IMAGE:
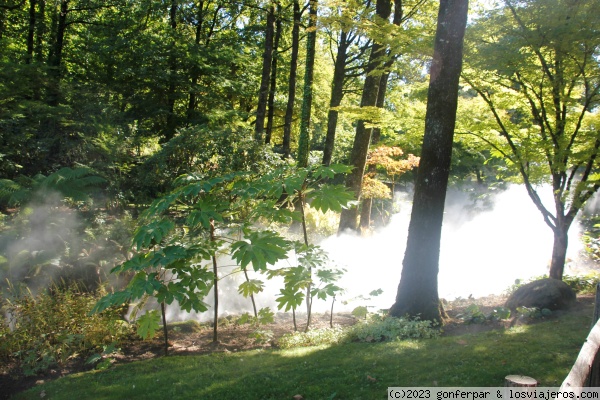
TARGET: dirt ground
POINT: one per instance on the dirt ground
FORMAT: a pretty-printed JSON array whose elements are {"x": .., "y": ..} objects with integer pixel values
[{"x": 190, "y": 339}]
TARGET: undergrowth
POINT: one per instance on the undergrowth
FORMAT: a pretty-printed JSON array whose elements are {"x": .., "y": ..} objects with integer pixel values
[
  {"x": 47, "y": 329},
  {"x": 582, "y": 284},
  {"x": 375, "y": 328}
]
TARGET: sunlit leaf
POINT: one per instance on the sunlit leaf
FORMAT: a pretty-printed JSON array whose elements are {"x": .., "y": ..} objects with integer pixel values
[{"x": 148, "y": 324}]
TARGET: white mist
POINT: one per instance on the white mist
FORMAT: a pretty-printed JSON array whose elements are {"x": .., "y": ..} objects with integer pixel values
[{"x": 482, "y": 253}]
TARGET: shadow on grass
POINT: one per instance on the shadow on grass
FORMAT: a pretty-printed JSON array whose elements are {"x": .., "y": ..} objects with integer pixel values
[{"x": 545, "y": 351}]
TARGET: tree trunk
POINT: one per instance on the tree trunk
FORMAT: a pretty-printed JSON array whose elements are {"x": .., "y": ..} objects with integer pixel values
[
  {"x": 215, "y": 286},
  {"x": 367, "y": 204},
  {"x": 311, "y": 41},
  {"x": 171, "y": 123},
  {"x": 362, "y": 139},
  {"x": 337, "y": 94},
  {"x": 273, "y": 83},
  {"x": 263, "y": 93},
  {"x": 418, "y": 289},
  {"x": 30, "y": 32},
  {"x": 195, "y": 74},
  {"x": 559, "y": 251},
  {"x": 40, "y": 31},
  {"x": 55, "y": 58},
  {"x": 289, "y": 111}
]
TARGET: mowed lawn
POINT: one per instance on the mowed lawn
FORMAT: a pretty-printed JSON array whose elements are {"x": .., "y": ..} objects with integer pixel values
[{"x": 544, "y": 350}]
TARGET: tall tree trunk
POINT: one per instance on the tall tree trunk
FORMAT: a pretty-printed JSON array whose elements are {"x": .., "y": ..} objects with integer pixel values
[
  {"x": 273, "y": 83},
  {"x": 367, "y": 204},
  {"x": 195, "y": 74},
  {"x": 2, "y": 22},
  {"x": 362, "y": 139},
  {"x": 40, "y": 31},
  {"x": 171, "y": 123},
  {"x": 289, "y": 111},
  {"x": 311, "y": 42},
  {"x": 55, "y": 57},
  {"x": 418, "y": 288},
  {"x": 337, "y": 94},
  {"x": 263, "y": 93},
  {"x": 30, "y": 32}
]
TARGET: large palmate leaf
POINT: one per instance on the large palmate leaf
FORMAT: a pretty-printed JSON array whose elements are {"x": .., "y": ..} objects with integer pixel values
[
  {"x": 290, "y": 298},
  {"x": 111, "y": 299},
  {"x": 152, "y": 233},
  {"x": 148, "y": 324},
  {"x": 205, "y": 210},
  {"x": 250, "y": 287},
  {"x": 323, "y": 171},
  {"x": 330, "y": 197},
  {"x": 260, "y": 249}
]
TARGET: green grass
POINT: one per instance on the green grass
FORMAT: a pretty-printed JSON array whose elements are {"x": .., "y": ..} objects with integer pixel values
[{"x": 545, "y": 351}]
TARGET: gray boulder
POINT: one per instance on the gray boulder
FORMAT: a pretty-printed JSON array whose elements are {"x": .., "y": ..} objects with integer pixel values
[{"x": 544, "y": 293}]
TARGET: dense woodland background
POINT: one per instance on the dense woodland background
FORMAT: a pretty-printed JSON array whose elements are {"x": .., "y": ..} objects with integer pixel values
[{"x": 187, "y": 127}]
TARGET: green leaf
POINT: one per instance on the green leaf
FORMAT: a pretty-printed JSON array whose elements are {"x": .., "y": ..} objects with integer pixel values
[
  {"x": 250, "y": 287},
  {"x": 137, "y": 263},
  {"x": 290, "y": 298},
  {"x": 266, "y": 316},
  {"x": 328, "y": 290},
  {"x": 330, "y": 171},
  {"x": 148, "y": 324},
  {"x": 152, "y": 234},
  {"x": 260, "y": 249},
  {"x": 111, "y": 299},
  {"x": 330, "y": 197},
  {"x": 204, "y": 211}
]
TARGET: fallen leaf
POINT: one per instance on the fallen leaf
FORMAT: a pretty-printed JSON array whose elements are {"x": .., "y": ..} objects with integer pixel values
[
  {"x": 462, "y": 342},
  {"x": 298, "y": 397},
  {"x": 371, "y": 379}
]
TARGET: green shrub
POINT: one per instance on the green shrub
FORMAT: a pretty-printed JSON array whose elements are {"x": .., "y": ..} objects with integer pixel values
[
  {"x": 378, "y": 328},
  {"x": 579, "y": 283},
  {"x": 583, "y": 283},
  {"x": 473, "y": 315},
  {"x": 49, "y": 328},
  {"x": 315, "y": 337}
]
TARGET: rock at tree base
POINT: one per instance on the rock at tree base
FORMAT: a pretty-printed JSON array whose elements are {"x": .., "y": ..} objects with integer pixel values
[{"x": 544, "y": 293}]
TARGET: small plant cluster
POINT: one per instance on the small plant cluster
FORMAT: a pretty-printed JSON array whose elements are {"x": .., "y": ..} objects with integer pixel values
[
  {"x": 591, "y": 236},
  {"x": 313, "y": 337},
  {"x": 51, "y": 327},
  {"x": 378, "y": 327},
  {"x": 534, "y": 312},
  {"x": 473, "y": 314},
  {"x": 584, "y": 284},
  {"x": 375, "y": 328}
]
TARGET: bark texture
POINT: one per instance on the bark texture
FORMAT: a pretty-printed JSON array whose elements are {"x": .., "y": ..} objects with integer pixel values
[
  {"x": 418, "y": 288},
  {"x": 362, "y": 139},
  {"x": 289, "y": 111},
  {"x": 263, "y": 93},
  {"x": 311, "y": 41}
]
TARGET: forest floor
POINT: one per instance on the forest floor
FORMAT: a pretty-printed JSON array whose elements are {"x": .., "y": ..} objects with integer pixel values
[{"x": 195, "y": 339}]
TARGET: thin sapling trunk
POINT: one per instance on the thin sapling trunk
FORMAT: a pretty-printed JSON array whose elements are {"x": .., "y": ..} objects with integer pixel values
[
  {"x": 165, "y": 330},
  {"x": 215, "y": 287}
]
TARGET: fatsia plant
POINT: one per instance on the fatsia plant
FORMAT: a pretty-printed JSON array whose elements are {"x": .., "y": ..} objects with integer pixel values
[{"x": 177, "y": 242}]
